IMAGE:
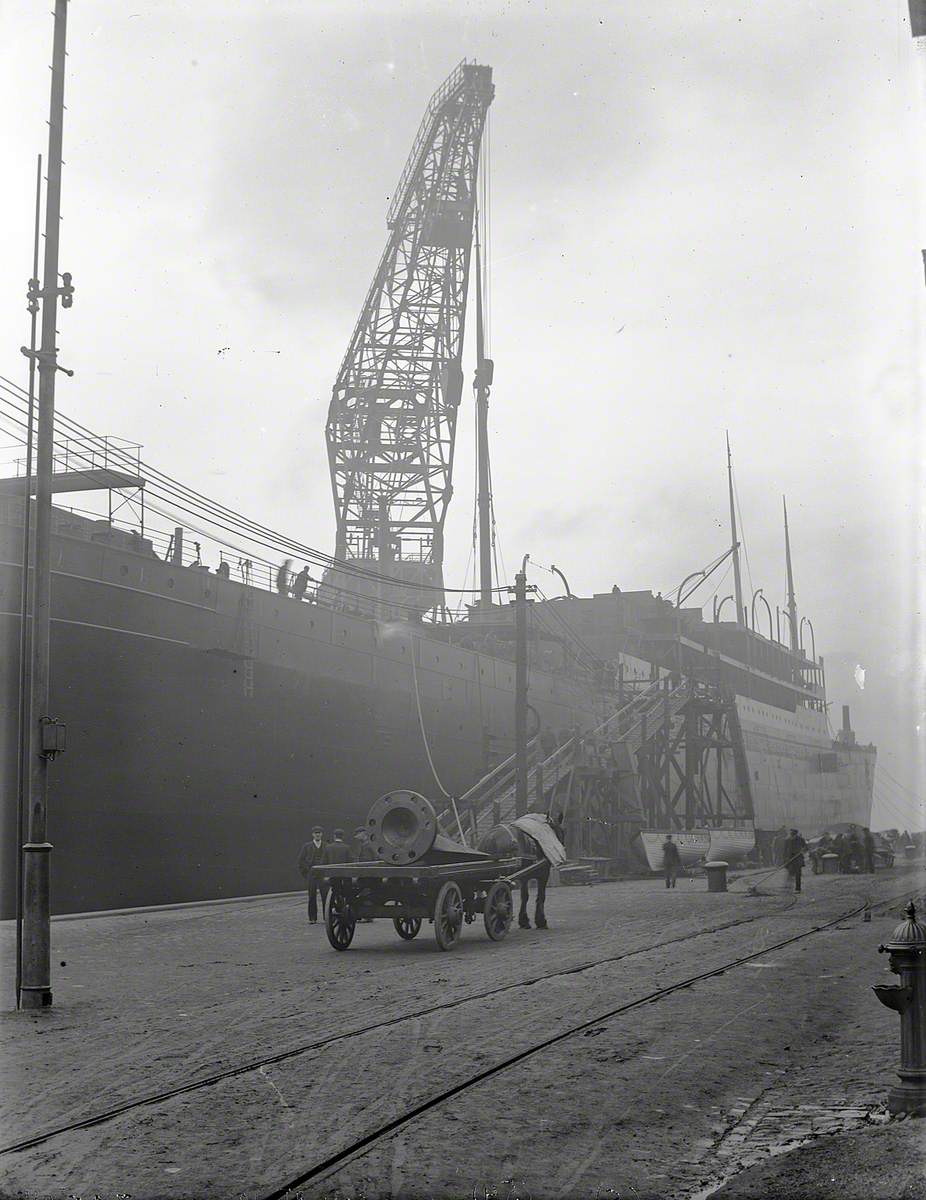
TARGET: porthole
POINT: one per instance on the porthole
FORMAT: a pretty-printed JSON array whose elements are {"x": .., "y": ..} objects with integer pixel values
[{"x": 170, "y": 583}]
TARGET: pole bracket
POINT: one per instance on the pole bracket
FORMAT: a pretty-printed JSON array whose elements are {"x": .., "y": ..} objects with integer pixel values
[{"x": 44, "y": 359}]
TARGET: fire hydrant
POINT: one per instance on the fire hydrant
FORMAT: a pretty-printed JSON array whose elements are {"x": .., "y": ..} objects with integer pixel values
[{"x": 907, "y": 950}]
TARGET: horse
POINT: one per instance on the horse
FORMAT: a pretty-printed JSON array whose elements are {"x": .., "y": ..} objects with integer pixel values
[{"x": 508, "y": 841}]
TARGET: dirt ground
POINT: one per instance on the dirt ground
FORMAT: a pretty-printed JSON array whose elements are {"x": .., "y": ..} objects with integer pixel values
[
  {"x": 663, "y": 1101},
  {"x": 889, "y": 1161}
]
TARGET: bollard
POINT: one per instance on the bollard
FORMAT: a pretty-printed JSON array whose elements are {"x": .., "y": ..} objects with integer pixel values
[
  {"x": 830, "y": 864},
  {"x": 716, "y": 876},
  {"x": 907, "y": 950}
]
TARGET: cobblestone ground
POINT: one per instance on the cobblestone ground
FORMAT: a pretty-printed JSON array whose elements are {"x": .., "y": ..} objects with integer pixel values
[{"x": 660, "y": 1101}]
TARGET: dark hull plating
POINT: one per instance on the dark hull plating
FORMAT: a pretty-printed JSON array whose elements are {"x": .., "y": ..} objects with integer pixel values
[{"x": 196, "y": 770}]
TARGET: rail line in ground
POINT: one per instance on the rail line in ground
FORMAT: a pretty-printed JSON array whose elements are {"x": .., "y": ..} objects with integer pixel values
[
  {"x": 155, "y": 1098},
  {"x": 358, "y": 1148},
  {"x": 194, "y": 1085}
]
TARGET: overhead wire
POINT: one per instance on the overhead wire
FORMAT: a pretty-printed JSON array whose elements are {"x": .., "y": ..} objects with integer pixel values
[
  {"x": 168, "y": 508},
  {"x": 197, "y": 504}
]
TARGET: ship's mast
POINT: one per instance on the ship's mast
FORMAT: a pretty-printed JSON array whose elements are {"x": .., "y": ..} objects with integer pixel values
[
  {"x": 792, "y": 604},
  {"x": 482, "y": 383},
  {"x": 737, "y": 580}
]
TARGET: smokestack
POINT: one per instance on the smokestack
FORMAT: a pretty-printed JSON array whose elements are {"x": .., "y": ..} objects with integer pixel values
[{"x": 846, "y": 723}]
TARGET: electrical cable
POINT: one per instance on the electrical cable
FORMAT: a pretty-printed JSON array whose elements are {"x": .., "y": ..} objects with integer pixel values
[
  {"x": 259, "y": 534},
  {"x": 424, "y": 735}
]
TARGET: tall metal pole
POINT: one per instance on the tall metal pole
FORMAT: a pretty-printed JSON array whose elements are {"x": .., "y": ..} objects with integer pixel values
[
  {"x": 734, "y": 541},
  {"x": 520, "y": 689},
  {"x": 35, "y": 987},
  {"x": 23, "y": 763},
  {"x": 484, "y": 502},
  {"x": 792, "y": 603}
]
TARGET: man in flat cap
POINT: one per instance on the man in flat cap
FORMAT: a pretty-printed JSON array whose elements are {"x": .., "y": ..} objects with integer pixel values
[{"x": 312, "y": 855}]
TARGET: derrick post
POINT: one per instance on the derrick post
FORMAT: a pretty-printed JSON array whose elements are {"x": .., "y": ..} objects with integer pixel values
[{"x": 520, "y": 690}]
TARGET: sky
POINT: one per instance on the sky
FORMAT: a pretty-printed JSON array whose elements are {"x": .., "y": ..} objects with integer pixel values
[{"x": 703, "y": 217}]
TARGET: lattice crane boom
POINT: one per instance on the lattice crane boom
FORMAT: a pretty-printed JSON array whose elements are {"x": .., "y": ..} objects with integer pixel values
[{"x": 392, "y": 418}]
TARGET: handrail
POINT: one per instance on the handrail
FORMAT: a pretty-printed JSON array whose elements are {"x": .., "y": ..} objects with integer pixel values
[{"x": 500, "y": 778}]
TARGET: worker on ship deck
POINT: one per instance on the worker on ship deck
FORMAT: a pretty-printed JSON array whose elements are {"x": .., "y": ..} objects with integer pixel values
[{"x": 300, "y": 584}]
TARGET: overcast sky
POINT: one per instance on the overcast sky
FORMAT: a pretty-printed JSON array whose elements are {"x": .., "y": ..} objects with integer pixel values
[{"x": 704, "y": 216}]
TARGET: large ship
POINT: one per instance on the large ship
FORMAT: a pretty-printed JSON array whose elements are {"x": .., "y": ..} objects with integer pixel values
[{"x": 214, "y": 715}]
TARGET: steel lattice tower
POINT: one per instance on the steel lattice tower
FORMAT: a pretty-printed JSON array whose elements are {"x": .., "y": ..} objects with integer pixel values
[{"x": 392, "y": 418}]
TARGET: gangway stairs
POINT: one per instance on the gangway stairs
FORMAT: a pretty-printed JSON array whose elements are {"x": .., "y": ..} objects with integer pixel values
[{"x": 493, "y": 798}]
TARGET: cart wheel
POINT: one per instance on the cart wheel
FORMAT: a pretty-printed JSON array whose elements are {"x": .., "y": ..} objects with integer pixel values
[
  {"x": 407, "y": 927},
  {"x": 340, "y": 922},
  {"x": 499, "y": 909},
  {"x": 448, "y": 916}
]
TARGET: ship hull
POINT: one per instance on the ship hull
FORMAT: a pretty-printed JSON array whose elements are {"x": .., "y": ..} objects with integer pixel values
[
  {"x": 800, "y": 777},
  {"x": 211, "y": 725}
]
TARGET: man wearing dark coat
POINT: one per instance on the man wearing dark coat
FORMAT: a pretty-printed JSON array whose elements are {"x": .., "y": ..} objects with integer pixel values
[
  {"x": 337, "y": 851},
  {"x": 671, "y": 860},
  {"x": 868, "y": 845},
  {"x": 312, "y": 855},
  {"x": 794, "y": 857}
]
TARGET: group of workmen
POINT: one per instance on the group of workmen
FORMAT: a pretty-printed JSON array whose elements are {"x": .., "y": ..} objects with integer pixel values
[
  {"x": 319, "y": 852},
  {"x": 855, "y": 852}
]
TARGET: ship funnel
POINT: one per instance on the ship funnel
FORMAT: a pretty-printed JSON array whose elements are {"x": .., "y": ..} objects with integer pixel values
[{"x": 402, "y": 828}]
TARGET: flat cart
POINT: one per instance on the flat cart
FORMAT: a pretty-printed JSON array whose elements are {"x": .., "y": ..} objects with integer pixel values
[{"x": 448, "y": 894}]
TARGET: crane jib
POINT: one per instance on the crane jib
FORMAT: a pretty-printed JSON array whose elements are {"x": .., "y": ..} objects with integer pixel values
[{"x": 392, "y": 417}]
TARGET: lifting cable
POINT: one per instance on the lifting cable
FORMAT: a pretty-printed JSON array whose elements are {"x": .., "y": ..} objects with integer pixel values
[{"x": 427, "y": 748}]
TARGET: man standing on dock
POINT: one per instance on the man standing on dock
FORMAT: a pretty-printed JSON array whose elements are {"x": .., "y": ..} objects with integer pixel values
[
  {"x": 868, "y": 845},
  {"x": 312, "y": 855},
  {"x": 671, "y": 860},
  {"x": 337, "y": 851},
  {"x": 794, "y": 857}
]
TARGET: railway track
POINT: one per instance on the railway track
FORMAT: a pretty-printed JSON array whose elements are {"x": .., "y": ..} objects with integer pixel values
[
  {"x": 358, "y": 1147},
  {"x": 217, "y": 1077}
]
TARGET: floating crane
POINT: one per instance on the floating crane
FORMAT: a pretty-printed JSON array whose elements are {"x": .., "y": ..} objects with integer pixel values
[{"x": 392, "y": 418}]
